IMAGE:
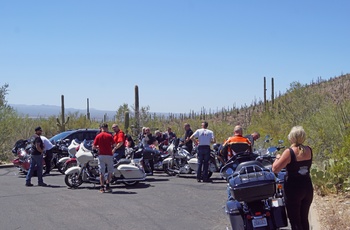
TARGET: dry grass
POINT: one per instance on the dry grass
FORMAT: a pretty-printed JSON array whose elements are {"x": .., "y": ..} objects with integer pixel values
[{"x": 333, "y": 211}]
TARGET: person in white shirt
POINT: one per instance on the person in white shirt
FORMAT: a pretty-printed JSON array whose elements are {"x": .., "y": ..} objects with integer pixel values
[
  {"x": 205, "y": 138},
  {"x": 48, "y": 154}
]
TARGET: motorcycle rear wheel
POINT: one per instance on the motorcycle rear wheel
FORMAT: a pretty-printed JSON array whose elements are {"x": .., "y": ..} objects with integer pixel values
[
  {"x": 167, "y": 171},
  {"x": 73, "y": 180}
]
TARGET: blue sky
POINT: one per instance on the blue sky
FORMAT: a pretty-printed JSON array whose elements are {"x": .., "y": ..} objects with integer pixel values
[{"x": 183, "y": 54}]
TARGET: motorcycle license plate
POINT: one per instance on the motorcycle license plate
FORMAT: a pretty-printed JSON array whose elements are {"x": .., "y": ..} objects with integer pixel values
[{"x": 259, "y": 222}]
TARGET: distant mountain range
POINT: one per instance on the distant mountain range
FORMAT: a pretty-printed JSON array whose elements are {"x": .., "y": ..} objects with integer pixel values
[{"x": 45, "y": 111}]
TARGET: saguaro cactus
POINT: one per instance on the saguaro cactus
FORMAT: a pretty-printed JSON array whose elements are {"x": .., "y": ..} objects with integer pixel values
[
  {"x": 137, "y": 109},
  {"x": 62, "y": 124},
  {"x": 265, "y": 94},
  {"x": 272, "y": 92},
  {"x": 126, "y": 121},
  {"x": 87, "y": 109}
]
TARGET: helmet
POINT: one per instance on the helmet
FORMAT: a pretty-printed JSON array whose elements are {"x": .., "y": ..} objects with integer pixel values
[{"x": 216, "y": 146}]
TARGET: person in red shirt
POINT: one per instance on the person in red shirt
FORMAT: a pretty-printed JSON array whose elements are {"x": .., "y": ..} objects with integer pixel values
[
  {"x": 119, "y": 139},
  {"x": 104, "y": 143}
]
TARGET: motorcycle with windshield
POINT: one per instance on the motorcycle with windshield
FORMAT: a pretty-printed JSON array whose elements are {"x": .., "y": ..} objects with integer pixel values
[{"x": 87, "y": 170}]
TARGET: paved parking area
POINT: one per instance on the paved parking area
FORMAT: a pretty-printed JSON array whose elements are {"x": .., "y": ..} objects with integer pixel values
[{"x": 161, "y": 202}]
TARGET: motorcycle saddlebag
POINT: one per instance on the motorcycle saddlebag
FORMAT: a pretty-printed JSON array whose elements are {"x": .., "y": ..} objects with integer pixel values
[
  {"x": 233, "y": 210},
  {"x": 278, "y": 213}
]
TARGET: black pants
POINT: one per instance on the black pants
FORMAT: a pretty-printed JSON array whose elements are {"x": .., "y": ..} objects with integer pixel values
[
  {"x": 298, "y": 201},
  {"x": 48, "y": 159}
]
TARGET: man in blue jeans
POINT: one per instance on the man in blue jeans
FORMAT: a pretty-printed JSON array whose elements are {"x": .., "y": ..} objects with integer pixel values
[
  {"x": 205, "y": 137},
  {"x": 37, "y": 150}
]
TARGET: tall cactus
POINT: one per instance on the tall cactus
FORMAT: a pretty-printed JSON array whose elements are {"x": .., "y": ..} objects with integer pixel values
[
  {"x": 126, "y": 121},
  {"x": 272, "y": 92},
  {"x": 87, "y": 109},
  {"x": 62, "y": 124},
  {"x": 137, "y": 109},
  {"x": 265, "y": 94}
]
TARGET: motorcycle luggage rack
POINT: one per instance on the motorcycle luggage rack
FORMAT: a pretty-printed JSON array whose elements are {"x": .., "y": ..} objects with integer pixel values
[{"x": 252, "y": 182}]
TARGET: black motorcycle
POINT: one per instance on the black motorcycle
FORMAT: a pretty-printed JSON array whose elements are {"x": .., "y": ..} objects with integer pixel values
[{"x": 255, "y": 195}]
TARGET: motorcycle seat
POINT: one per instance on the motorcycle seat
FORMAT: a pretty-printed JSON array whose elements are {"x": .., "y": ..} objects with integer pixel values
[{"x": 122, "y": 161}]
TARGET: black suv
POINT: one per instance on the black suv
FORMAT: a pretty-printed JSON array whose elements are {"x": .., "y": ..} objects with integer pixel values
[
  {"x": 78, "y": 134},
  {"x": 62, "y": 140}
]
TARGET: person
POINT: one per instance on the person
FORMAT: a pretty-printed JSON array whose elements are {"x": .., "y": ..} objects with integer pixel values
[
  {"x": 298, "y": 189},
  {"x": 170, "y": 135},
  {"x": 160, "y": 137},
  {"x": 205, "y": 138},
  {"x": 187, "y": 140},
  {"x": 48, "y": 146},
  {"x": 104, "y": 142},
  {"x": 252, "y": 138},
  {"x": 129, "y": 142},
  {"x": 148, "y": 139},
  {"x": 142, "y": 134},
  {"x": 36, "y": 150},
  {"x": 148, "y": 142},
  {"x": 119, "y": 138},
  {"x": 234, "y": 144}
]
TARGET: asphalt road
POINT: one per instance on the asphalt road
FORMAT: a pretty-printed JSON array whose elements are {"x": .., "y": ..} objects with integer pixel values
[{"x": 160, "y": 203}]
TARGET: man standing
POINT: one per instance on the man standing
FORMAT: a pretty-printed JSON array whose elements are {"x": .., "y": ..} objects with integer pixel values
[
  {"x": 188, "y": 134},
  {"x": 252, "y": 138},
  {"x": 104, "y": 143},
  {"x": 170, "y": 135},
  {"x": 48, "y": 154},
  {"x": 36, "y": 150},
  {"x": 119, "y": 139},
  {"x": 205, "y": 137}
]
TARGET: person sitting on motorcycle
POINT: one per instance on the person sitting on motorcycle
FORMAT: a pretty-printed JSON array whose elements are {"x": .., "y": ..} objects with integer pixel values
[
  {"x": 235, "y": 144},
  {"x": 161, "y": 138},
  {"x": 170, "y": 135},
  {"x": 148, "y": 142}
]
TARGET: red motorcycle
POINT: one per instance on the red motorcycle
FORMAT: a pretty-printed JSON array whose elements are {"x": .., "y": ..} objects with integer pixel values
[{"x": 22, "y": 157}]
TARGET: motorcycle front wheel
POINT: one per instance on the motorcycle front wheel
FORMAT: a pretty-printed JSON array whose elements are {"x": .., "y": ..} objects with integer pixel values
[
  {"x": 73, "y": 180},
  {"x": 130, "y": 183}
]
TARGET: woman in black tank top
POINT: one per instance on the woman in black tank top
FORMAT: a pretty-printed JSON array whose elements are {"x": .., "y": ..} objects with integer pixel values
[{"x": 297, "y": 184}]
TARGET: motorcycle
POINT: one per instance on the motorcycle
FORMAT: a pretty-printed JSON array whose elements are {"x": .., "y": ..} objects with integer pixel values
[
  {"x": 66, "y": 162},
  {"x": 214, "y": 162},
  {"x": 256, "y": 198},
  {"x": 87, "y": 170},
  {"x": 22, "y": 157}
]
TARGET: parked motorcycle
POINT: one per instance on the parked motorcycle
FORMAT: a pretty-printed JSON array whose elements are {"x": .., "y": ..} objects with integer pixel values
[
  {"x": 66, "y": 162},
  {"x": 214, "y": 162},
  {"x": 87, "y": 170},
  {"x": 22, "y": 157},
  {"x": 256, "y": 199}
]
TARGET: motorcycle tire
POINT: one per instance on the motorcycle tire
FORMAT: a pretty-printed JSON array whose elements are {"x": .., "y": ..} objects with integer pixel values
[
  {"x": 130, "y": 183},
  {"x": 167, "y": 171},
  {"x": 61, "y": 167},
  {"x": 73, "y": 180},
  {"x": 69, "y": 165}
]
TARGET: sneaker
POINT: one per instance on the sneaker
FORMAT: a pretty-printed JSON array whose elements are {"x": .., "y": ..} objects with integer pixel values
[
  {"x": 109, "y": 190},
  {"x": 29, "y": 184},
  {"x": 42, "y": 184},
  {"x": 102, "y": 190}
]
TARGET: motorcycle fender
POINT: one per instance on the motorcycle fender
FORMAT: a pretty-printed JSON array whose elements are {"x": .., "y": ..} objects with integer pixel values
[
  {"x": 166, "y": 161},
  {"x": 63, "y": 159},
  {"x": 129, "y": 171},
  {"x": 72, "y": 170}
]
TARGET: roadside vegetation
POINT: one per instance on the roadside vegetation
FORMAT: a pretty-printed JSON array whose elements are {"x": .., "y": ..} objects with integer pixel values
[{"x": 321, "y": 107}]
